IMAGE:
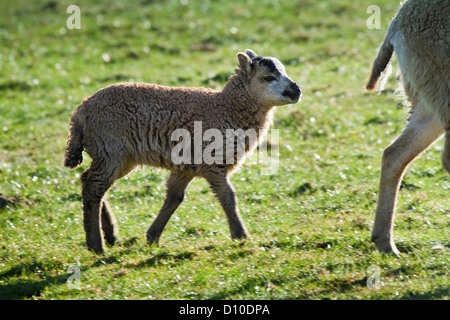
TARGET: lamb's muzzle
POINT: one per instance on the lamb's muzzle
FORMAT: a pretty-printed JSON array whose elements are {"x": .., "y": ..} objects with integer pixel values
[{"x": 294, "y": 93}]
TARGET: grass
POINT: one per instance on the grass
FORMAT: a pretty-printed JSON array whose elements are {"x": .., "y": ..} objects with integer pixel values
[{"x": 310, "y": 222}]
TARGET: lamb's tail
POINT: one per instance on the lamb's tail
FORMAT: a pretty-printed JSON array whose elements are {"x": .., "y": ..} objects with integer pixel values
[
  {"x": 73, "y": 155},
  {"x": 381, "y": 62}
]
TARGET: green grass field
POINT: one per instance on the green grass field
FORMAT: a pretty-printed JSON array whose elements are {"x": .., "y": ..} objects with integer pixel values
[{"x": 310, "y": 222}]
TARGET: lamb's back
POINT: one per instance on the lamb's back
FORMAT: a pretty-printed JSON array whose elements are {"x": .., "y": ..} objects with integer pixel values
[{"x": 136, "y": 119}]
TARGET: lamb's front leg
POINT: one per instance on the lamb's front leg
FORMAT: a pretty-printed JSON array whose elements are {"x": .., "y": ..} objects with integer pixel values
[
  {"x": 176, "y": 188},
  {"x": 421, "y": 130},
  {"x": 222, "y": 188}
]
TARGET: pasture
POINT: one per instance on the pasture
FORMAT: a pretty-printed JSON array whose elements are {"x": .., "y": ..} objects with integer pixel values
[{"x": 310, "y": 221}]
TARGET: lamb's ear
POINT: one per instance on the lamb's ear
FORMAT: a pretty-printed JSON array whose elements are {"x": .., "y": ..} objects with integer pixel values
[
  {"x": 251, "y": 54},
  {"x": 245, "y": 63}
]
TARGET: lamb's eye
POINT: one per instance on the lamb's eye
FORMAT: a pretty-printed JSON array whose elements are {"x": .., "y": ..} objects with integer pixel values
[{"x": 269, "y": 79}]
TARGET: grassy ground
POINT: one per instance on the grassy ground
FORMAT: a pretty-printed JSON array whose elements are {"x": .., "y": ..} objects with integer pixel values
[{"x": 310, "y": 222}]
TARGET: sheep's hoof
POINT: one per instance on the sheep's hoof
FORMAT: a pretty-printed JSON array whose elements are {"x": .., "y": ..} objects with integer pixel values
[
  {"x": 389, "y": 251},
  {"x": 387, "y": 247}
]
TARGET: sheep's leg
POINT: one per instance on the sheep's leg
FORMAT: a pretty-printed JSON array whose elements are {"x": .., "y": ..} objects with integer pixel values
[
  {"x": 446, "y": 152},
  {"x": 222, "y": 188},
  {"x": 421, "y": 130},
  {"x": 109, "y": 224},
  {"x": 95, "y": 184},
  {"x": 176, "y": 188}
]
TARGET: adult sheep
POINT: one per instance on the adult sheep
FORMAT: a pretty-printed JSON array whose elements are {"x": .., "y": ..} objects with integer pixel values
[
  {"x": 420, "y": 37},
  {"x": 129, "y": 124}
]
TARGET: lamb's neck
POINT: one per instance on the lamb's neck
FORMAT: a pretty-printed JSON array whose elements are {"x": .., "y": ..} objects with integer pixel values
[{"x": 246, "y": 113}]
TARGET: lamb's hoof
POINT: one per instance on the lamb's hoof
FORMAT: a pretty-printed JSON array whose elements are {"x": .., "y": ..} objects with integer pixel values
[
  {"x": 240, "y": 235},
  {"x": 96, "y": 247},
  {"x": 152, "y": 240},
  {"x": 110, "y": 237},
  {"x": 109, "y": 225},
  {"x": 110, "y": 241}
]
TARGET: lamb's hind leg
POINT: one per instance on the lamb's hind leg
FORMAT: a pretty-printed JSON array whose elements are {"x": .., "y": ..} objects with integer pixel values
[
  {"x": 421, "y": 130},
  {"x": 176, "y": 188},
  {"x": 95, "y": 186},
  {"x": 222, "y": 188},
  {"x": 97, "y": 214},
  {"x": 109, "y": 224}
]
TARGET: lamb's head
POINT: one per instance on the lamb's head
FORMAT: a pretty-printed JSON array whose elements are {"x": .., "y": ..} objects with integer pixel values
[{"x": 268, "y": 83}]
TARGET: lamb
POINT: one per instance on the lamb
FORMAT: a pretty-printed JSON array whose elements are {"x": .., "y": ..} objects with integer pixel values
[
  {"x": 420, "y": 37},
  {"x": 129, "y": 124}
]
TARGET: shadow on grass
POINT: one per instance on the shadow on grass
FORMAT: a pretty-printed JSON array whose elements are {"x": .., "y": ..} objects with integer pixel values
[
  {"x": 433, "y": 295},
  {"x": 26, "y": 289},
  {"x": 20, "y": 281},
  {"x": 16, "y": 288},
  {"x": 163, "y": 258}
]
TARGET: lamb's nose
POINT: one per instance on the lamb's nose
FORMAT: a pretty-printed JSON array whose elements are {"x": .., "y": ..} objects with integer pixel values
[
  {"x": 293, "y": 92},
  {"x": 296, "y": 88}
]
